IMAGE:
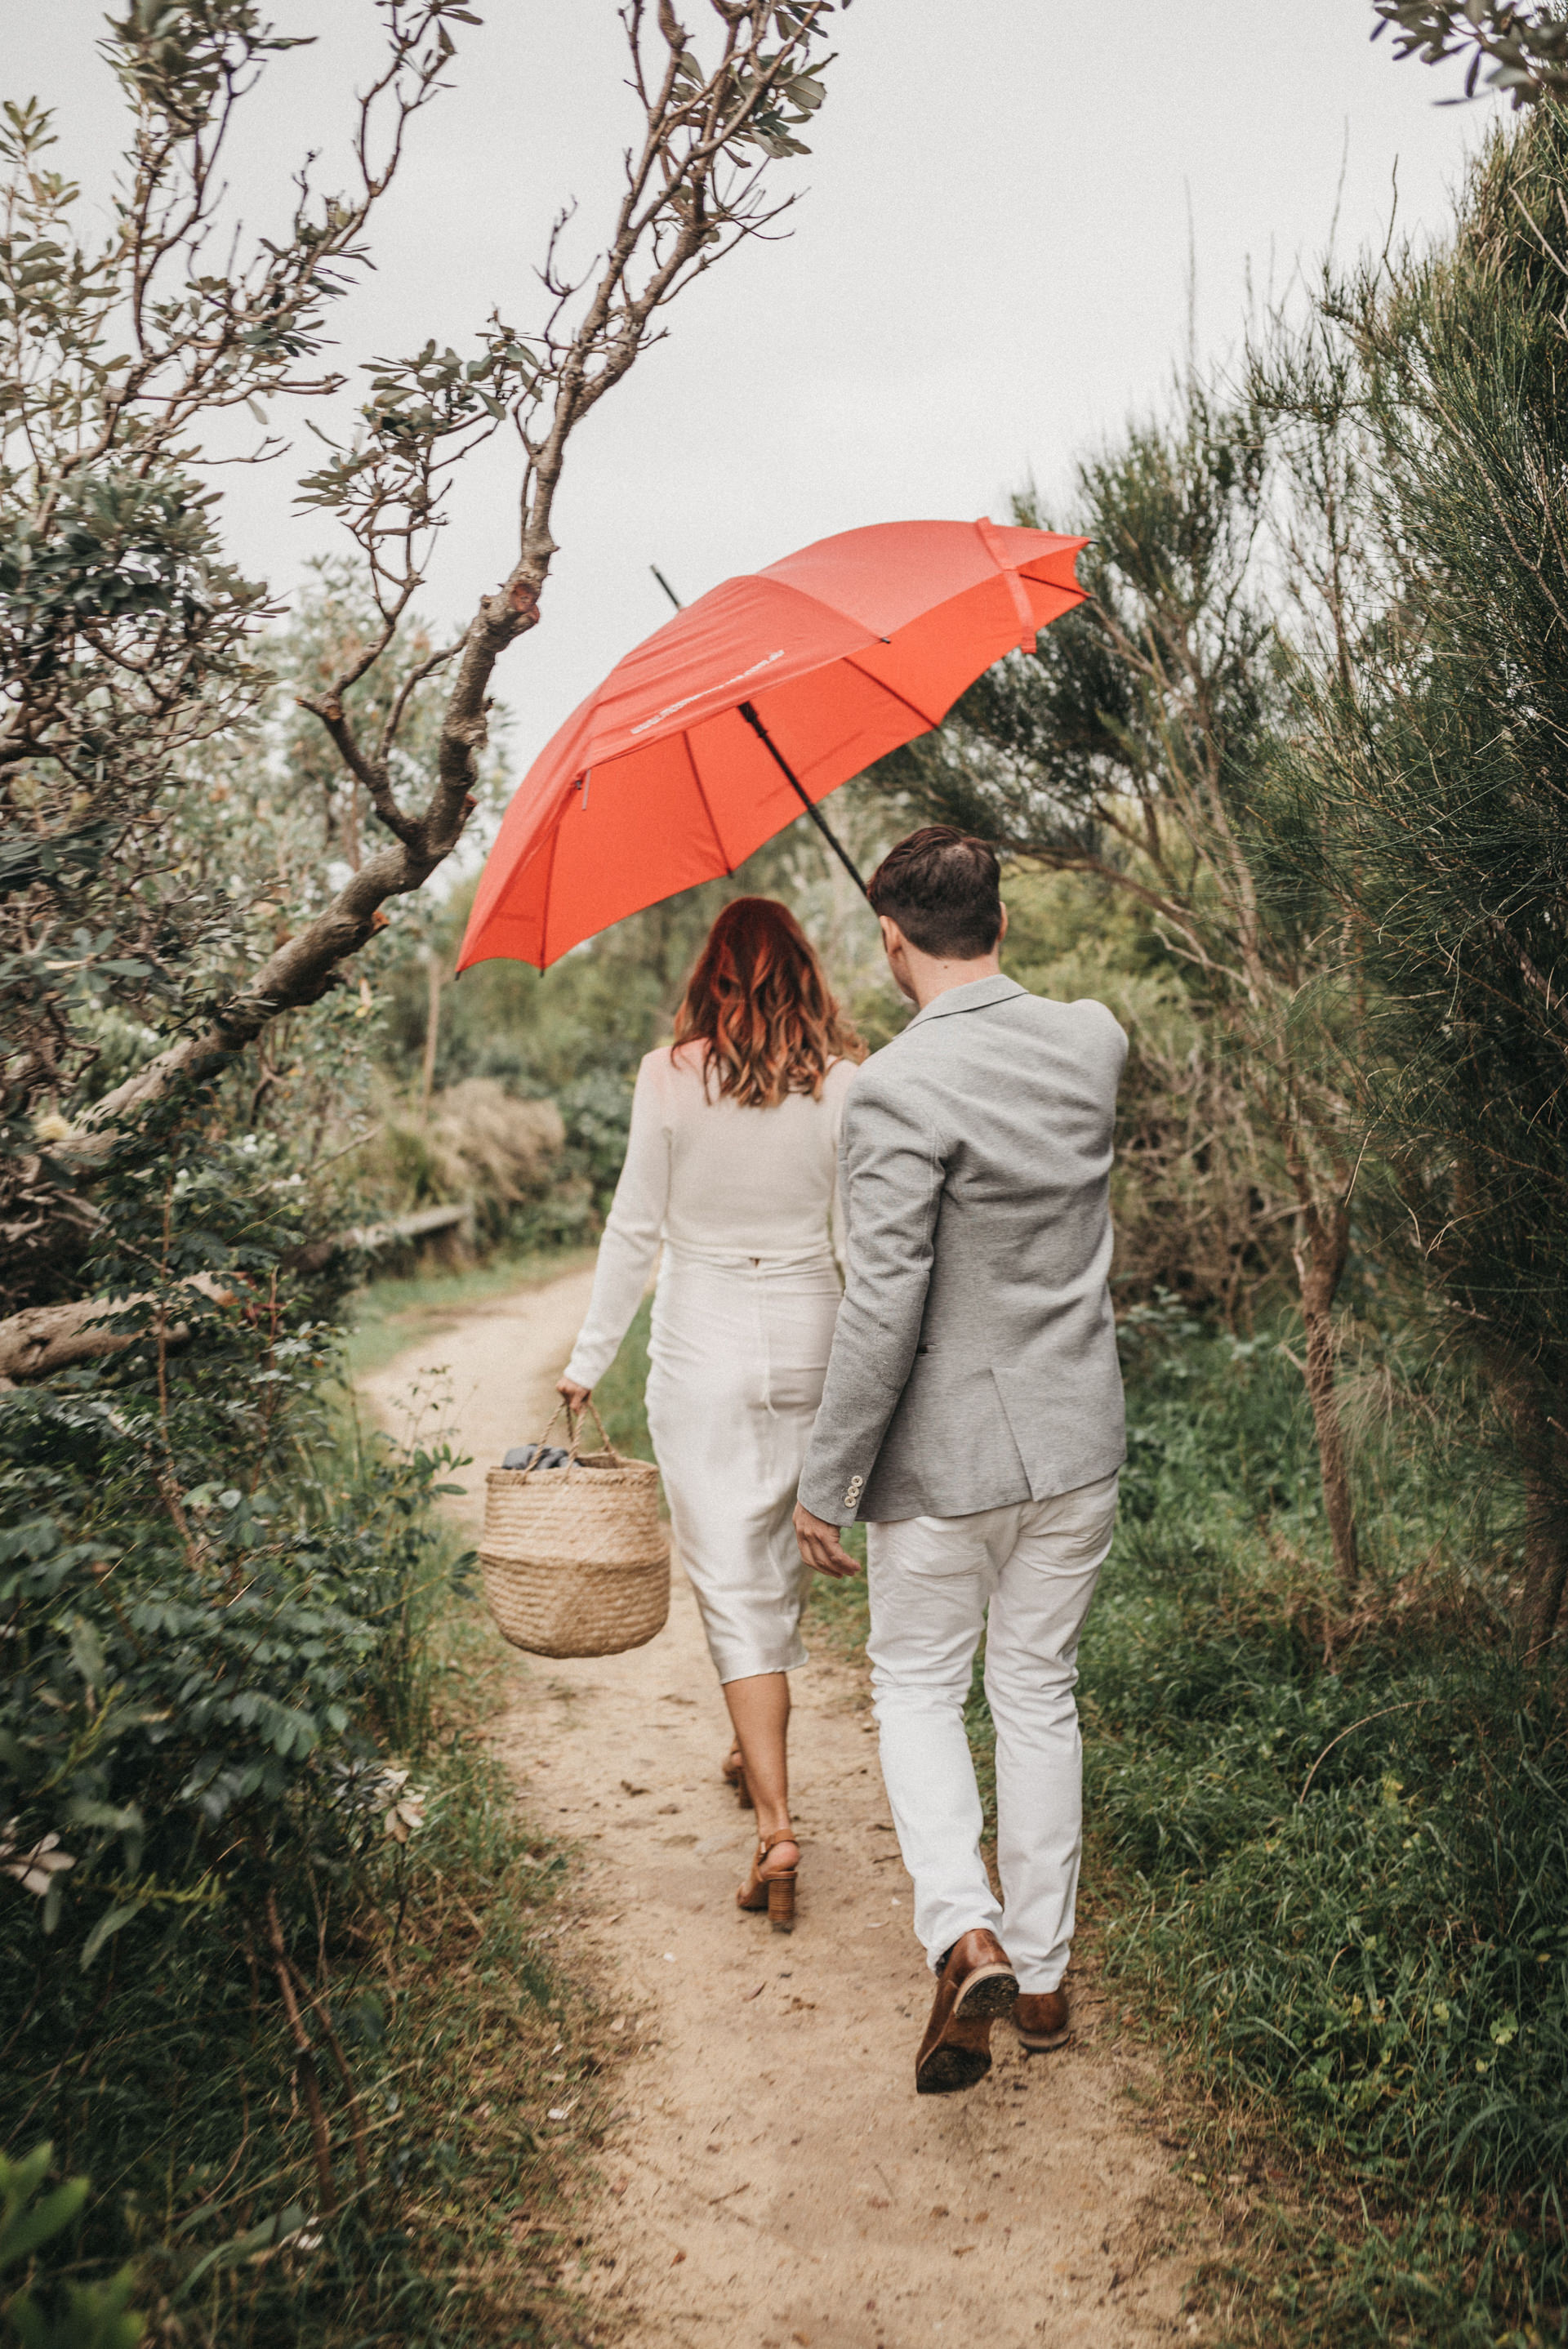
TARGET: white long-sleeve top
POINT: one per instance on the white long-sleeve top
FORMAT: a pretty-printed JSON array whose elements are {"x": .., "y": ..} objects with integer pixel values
[{"x": 714, "y": 1180}]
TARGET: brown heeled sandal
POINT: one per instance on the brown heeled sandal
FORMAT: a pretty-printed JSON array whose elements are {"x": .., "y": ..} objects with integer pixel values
[
  {"x": 772, "y": 1888},
  {"x": 734, "y": 1775}
]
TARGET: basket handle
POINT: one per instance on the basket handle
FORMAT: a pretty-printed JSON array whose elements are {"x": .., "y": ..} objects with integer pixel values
[{"x": 576, "y": 1421}]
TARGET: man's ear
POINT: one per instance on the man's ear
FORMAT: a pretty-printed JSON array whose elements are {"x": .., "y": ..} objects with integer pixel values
[
  {"x": 1003, "y": 931},
  {"x": 892, "y": 937}
]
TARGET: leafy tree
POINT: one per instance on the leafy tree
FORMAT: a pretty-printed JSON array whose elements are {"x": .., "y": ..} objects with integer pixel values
[
  {"x": 1433, "y": 789},
  {"x": 1526, "y": 47},
  {"x": 208, "y": 1606},
  {"x": 1136, "y": 745},
  {"x": 129, "y": 648}
]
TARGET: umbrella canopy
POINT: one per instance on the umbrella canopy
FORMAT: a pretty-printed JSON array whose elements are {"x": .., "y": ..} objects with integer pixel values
[{"x": 665, "y": 777}]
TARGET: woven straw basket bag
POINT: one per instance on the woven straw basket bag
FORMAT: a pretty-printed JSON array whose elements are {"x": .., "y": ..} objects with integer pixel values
[{"x": 575, "y": 1560}]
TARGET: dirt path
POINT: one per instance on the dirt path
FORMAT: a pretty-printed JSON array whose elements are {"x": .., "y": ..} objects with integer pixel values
[{"x": 772, "y": 2178}]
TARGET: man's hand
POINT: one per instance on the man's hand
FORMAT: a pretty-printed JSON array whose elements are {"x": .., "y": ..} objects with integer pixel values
[
  {"x": 820, "y": 1544},
  {"x": 576, "y": 1396}
]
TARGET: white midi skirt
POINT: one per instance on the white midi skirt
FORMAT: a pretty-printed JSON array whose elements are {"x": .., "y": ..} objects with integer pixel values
[{"x": 738, "y": 1352}]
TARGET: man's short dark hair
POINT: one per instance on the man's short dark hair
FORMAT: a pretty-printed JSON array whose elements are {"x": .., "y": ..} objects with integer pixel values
[{"x": 943, "y": 888}]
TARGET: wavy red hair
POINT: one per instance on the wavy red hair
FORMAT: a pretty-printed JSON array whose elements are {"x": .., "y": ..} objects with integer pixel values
[{"x": 760, "y": 1003}]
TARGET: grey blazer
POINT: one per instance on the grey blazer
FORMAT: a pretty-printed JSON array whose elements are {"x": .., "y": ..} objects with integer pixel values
[{"x": 974, "y": 1359}]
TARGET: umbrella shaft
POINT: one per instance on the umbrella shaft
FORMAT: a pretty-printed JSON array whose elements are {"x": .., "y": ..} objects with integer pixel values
[{"x": 812, "y": 809}]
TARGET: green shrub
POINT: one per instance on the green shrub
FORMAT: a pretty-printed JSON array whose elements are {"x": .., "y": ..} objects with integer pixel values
[
  {"x": 171, "y": 2071},
  {"x": 68, "y": 2316},
  {"x": 1335, "y": 1855},
  {"x": 258, "y": 1897}
]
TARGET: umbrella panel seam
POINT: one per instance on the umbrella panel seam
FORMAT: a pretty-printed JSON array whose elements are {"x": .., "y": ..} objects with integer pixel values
[{"x": 706, "y": 808}]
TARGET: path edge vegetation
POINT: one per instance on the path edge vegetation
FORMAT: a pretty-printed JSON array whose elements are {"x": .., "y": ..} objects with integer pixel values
[
  {"x": 1305, "y": 840},
  {"x": 237, "y": 1778}
]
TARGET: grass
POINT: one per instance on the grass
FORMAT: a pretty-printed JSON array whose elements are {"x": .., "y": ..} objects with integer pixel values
[
  {"x": 837, "y": 1614},
  {"x": 619, "y": 1393},
  {"x": 1333, "y": 1866},
  {"x": 173, "y": 2086}
]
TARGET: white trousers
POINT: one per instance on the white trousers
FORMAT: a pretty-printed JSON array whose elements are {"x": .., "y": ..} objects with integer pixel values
[
  {"x": 931, "y": 1580},
  {"x": 737, "y": 1361}
]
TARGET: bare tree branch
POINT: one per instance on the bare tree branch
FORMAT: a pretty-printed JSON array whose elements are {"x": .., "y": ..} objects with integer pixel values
[{"x": 696, "y": 186}]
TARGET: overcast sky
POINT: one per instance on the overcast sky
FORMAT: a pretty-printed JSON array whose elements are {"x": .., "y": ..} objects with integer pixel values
[{"x": 987, "y": 271}]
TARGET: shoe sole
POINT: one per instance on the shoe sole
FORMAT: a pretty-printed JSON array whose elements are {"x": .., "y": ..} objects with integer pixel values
[
  {"x": 1032, "y": 2044},
  {"x": 989, "y": 1994},
  {"x": 947, "y": 2069},
  {"x": 990, "y": 1991}
]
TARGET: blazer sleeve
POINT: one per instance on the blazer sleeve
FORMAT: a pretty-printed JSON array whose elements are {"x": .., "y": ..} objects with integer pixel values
[
  {"x": 633, "y": 1231},
  {"x": 892, "y": 1172},
  {"x": 836, "y": 1088}
]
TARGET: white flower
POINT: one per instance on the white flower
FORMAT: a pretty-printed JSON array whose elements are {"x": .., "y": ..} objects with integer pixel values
[
  {"x": 402, "y": 1812},
  {"x": 32, "y": 1869},
  {"x": 385, "y": 1794}
]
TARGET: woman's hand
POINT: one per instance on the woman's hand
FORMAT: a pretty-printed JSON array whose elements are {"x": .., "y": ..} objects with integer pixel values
[
  {"x": 576, "y": 1396},
  {"x": 820, "y": 1545}
]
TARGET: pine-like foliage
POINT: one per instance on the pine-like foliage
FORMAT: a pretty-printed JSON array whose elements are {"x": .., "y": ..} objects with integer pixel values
[
  {"x": 1138, "y": 744},
  {"x": 1438, "y": 772}
]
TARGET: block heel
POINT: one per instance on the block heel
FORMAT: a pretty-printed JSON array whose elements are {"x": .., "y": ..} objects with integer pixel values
[{"x": 772, "y": 1887}]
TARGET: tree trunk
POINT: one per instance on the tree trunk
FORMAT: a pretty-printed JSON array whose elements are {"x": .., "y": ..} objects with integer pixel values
[{"x": 1319, "y": 1262}]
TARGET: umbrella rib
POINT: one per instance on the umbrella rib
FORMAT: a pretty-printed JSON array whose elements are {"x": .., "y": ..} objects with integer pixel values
[
  {"x": 712, "y": 820},
  {"x": 882, "y": 686}
]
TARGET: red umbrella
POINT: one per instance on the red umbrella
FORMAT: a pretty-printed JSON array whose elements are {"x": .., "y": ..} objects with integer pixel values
[{"x": 770, "y": 690}]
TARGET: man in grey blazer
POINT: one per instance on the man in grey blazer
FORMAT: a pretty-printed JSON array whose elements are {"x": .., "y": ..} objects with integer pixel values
[{"x": 972, "y": 1416}]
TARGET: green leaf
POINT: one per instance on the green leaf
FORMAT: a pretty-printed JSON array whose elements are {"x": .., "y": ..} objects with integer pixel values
[
  {"x": 288, "y": 2221},
  {"x": 97, "y": 2317},
  {"x": 108, "y": 1925},
  {"x": 21, "y": 2229}
]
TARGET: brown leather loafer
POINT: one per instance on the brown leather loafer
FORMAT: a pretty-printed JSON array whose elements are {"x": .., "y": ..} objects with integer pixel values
[
  {"x": 1040, "y": 2019},
  {"x": 975, "y": 1984}
]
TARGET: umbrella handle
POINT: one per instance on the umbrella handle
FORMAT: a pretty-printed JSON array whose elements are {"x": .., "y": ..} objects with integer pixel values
[{"x": 749, "y": 712}]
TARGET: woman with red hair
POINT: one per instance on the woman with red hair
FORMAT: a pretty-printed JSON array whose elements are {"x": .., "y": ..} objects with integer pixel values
[{"x": 731, "y": 1166}]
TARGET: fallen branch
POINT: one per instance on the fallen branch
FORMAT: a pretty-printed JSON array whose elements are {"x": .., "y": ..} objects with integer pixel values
[
  {"x": 44, "y": 1339},
  {"x": 317, "y": 1254},
  {"x": 47, "y": 1338}
]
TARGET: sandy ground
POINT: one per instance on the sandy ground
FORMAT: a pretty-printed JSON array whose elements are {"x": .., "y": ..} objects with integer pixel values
[{"x": 771, "y": 2177}]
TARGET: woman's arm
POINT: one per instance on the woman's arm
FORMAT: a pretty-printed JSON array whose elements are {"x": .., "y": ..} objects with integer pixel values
[{"x": 632, "y": 1236}]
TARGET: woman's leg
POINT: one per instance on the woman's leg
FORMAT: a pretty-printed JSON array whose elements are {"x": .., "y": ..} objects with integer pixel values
[{"x": 759, "y": 1708}]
